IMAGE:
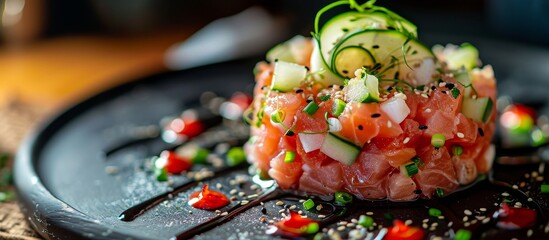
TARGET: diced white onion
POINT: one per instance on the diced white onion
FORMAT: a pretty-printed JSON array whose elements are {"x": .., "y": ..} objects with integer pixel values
[
  {"x": 396, "y": 109},
  {"x": 489, "y": 156},
  {"x": 310, "y": 142},
  {"x": 424, "y": 74},
  {"x": 334, "y": 124}
]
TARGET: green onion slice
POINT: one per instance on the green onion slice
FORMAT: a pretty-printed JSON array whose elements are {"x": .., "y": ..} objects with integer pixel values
[
  {"x": 311, "y": 108},
  {"x": 343, "y": 197},
  {"x": 309, "y": 204},
  {"x": 438, "y": 140},
  {"x": 434, "y": 212},
  {"x": 289, "y": 157},
  {"x": 338, "y": 107},
  {"x": 235, "y": 156},
  {"x": 365, "y": 221}
]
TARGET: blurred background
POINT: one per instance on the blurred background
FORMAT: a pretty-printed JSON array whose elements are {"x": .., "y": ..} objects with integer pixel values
[{"x": 56, "y": 53}]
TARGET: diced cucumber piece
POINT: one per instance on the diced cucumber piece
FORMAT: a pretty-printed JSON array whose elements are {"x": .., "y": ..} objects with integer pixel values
[
  {"x": 288, "y": 51},
  {"x": 393, "y": 50},
  {"x": 478, "y": 109},
  {"x": 349, "y": 59},
  {"x": 339, "y": 149},
  {"x": 287, "y": 76},
  {"x": 465, "y": 56},
  {"x": 464, "y": 78},
  {"x": 363, "y": 90}
]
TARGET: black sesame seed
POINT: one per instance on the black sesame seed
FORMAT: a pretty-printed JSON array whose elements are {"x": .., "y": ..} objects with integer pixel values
[
  {"x": 345, "y": 29},
  {"x": 389, "y": 88},
  {"x": 375, "y": 115},
  {"x": 309, "y": 100},
  {"x": 276, "y": 60},
  {"x": 397, "y": 74},
  {"x": 264, "y": 210},
  {"x": 391, "y": 28},
  {"x": 375, "y": 46},
  {"x": 307, "y": 68},
  {"x": 290, "y": 133},
  {"x": 481, "y": 132},
  {"x": 360, "y": 127},
  {"x": 422, "y": 127},
  {"x": 418, "y": 191},
  {"x": 345, "y": 71},
  {"x": 341, "y": 87},
  {"x": 433, "y": 88},
  {"x": 444, "y": 92},
  {"x": 450, "y": 86},
  {"x": 299, "y": 91}
]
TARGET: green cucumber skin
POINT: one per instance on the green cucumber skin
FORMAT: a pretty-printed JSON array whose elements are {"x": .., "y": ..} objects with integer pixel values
[
  {"x": 334, "y": 59},
  {"x": 343, "y": 145}
]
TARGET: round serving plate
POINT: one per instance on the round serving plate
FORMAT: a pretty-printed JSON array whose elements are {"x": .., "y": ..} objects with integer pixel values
[{"x": 66, "y": 193}]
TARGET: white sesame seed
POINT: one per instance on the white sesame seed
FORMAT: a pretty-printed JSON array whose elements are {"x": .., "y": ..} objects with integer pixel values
[
  {"x": 408, "y": 222},
  {"x": 460, "y": 135},
  {"x": 283, "y": 215},
  {"x": 233, "y": 192},
  {"x": 530, "y": 199},
  {"x": 427, "y": 110},
  {"x": 271, "y": 221},
  {"x": 425, "y": 225},
  {"x": 354, "y": 220},
  {"x": 450, "y": 224},
  {"x": 369, "y": 213},
  {"x": 350, "y": 225},
  {"x": 441, "y": 217},
  {"x": 485, "y": 221},
  {"x": 341, "y": 228},
  {"x": 425, "y": 220},
  {"x": 539, "y": 178},
  {"x": 482, "y": 209},
  {"x": 279, "y": 203},
  {"x": 244, "y": 202},
  {"x": 293, "y": 207},
  {"x": 530, "y": 232},
  {"x": 505, "y": 194},
  {"x": 515, "y": 186},
  {"x": 466, "y": 224},
  {"x": 423, "y": 95},
  {"x": 300, "y": 212},
  {"x": 301, "y": 200},
  {"x": 389, "y": 124},
  {"x": 442, "y": 84},
  {"x": 224, "y": 214},
  {"x": 241, "y": 194},
  {"x": 321, "y": 216},
  {"x": 319, "y": 207},
  {"x": 281, "y": 210},
  {"x": 465, "y": 219},
  {"x": 480, "y": 217},
  {"x": 406, "y": 140},
  {"x": 518, "y": 204},
  {"x": 467, "y": 212},
  {"x": 217, "y": 211},
  {"x": 474, "y": 221},
  {"x": 534, "y": 174}
]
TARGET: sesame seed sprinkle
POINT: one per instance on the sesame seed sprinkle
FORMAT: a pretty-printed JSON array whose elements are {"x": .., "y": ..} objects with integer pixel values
[
  {"x": 406, "y": 140},
  {"x": 321, "y": 216},
  {"x": 505, "y": 194},
  {"x": 279, "y": 203},
  {"x": 467, "y": 212},
  {"x": 485, "y": 221},
  {"x": 460, "y": 135}
]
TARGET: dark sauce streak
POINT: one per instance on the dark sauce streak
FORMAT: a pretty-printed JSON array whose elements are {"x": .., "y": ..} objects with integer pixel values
[{"x": 135, "y": 211}]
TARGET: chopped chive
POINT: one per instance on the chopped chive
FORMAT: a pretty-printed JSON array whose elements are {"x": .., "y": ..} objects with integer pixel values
[
  {"x": 200, "y": 156},
  {"x": 277, "y": 116},
  {"x": 410, "y": 169},
  {"x": 338, "y": 107},
  {"x": 289, "y": 157},
  {"x": 463, "y": 234},
  {"x": 457, "y": 150},
  {"x": 365, "y": 221},
  {"x": 421, "y": 87},
  {"x": 437, "y": 140},
  {"x": 309, "y": 204},
  {"x": 161, "y": 174},
  {"x": 343, "y": 197},
  {"x": 312, "y": 228},
  {"x": 417, "y": 161},
  {"x": 544, "y": 188},
  {"x": 311, "y": 108},
  {"x": 455, "y": 93},
  {"x": 325, "y": 98},
  {"x": 433, "y": 212},
  {"x": 235, "y": 156},
  {"x": 439, "y": 192}
]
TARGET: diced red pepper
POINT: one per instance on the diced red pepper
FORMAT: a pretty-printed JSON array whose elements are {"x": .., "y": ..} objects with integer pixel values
[
  {"x": 296, "y": 225},
  {"x": 189, "y": 127},
  {"x": 401, "y": 231},
  {"x": 173, "y": 163},
  {"x": 208, "y": 199},
  {"x": 515, "y": 218}
]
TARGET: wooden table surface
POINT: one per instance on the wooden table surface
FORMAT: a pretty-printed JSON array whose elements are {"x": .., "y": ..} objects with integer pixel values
[{"x": 41, "y": 78}]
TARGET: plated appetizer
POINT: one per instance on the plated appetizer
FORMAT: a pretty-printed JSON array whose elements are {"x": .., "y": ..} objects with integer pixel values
[{"x": 364, "y": 107}]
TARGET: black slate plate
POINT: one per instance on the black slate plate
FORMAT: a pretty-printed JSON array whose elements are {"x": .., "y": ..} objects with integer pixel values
[{"x": 66, "y": 193}]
